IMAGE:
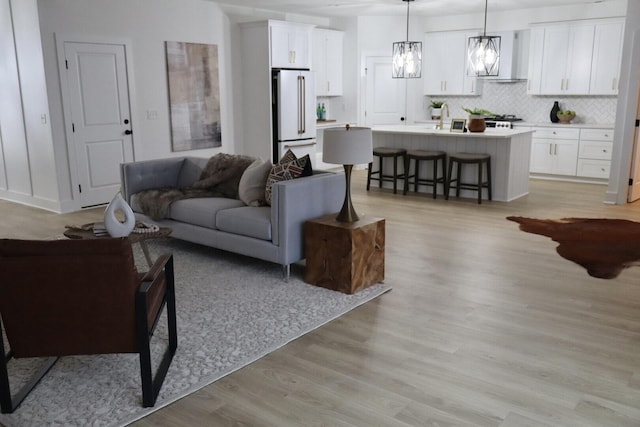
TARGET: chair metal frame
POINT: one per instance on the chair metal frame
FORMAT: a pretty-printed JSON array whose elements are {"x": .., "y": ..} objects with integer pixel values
[{"x": 151, "y": 384}]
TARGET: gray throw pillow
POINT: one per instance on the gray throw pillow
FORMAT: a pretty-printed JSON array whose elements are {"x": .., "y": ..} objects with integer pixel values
[{"x": 252, "y": 183}]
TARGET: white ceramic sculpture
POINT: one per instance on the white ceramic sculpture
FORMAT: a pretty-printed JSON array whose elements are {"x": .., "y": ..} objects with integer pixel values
[{"x": 114, "y": 226}]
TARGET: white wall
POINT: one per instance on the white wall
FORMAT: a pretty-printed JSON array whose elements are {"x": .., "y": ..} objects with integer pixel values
[
  {"x": 26, "y": 143},
  {"x": 144, "y": 25}
]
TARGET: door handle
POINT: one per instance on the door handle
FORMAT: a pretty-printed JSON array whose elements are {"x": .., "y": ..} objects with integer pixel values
[{"x": 128, "y": 132}]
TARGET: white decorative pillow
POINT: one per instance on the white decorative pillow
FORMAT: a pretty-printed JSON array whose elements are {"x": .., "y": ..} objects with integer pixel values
[{"x": 253, "y": 182}]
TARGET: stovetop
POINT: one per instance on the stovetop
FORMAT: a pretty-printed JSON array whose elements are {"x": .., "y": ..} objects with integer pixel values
[{"x": 504, "y": 118}]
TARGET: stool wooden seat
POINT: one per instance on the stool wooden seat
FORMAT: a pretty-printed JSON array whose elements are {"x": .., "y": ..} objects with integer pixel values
[
  {"x": 419, "y": 156},
  {"x": 460, "y": 159},
  {"x": 379, "y": 175}
]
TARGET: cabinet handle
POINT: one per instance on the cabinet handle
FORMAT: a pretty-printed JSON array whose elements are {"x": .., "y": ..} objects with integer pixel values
[
  {"x": 529, "y": 84},
  {"x": 328, "y": 86},
  {"x": 551, "y": 149},
  {"x": 604, "y": 150},
  {"x": 555, "y": 149},
  {"x": 614, "y": 84}
]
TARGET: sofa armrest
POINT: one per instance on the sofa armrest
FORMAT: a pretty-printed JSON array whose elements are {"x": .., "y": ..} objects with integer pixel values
[
  {"x": 297, "y": 201},
  {"x": 148, "y": 174}
]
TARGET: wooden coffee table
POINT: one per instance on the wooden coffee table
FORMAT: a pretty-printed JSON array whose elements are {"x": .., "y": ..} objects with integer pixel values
[{"x": 86, "y": 232}]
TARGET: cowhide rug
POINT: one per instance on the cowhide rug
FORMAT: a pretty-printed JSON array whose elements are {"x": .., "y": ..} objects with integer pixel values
[{"x": 604, "y": 247}]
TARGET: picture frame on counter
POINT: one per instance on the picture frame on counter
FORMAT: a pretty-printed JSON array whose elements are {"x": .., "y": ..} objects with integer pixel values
[{"x": 458, "y": 125}]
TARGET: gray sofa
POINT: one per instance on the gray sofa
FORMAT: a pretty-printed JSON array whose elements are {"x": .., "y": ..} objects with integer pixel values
[{"x": 272, "y": 233}]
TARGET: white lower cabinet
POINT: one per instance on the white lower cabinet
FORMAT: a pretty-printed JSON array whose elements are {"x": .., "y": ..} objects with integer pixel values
[
  {"x": 555, "y": 151},
  {"x": 594, "y": 155}
]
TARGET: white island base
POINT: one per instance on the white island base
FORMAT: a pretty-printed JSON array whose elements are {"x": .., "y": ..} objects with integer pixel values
[{"x": 510, "y": 152}]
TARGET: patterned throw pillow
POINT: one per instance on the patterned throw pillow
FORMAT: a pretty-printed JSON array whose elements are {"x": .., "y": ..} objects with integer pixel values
[
  {"x": 289, "y": 156},
  {"x": 287, "y": 170}
]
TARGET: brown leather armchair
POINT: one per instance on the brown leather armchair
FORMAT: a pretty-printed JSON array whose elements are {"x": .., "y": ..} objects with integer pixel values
[{"x": 82, "y": 297}]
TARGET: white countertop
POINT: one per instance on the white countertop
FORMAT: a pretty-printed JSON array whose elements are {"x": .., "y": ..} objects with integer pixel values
[
  {"x": 428, "y": 129},
  {"x": 322, "y": 124}
]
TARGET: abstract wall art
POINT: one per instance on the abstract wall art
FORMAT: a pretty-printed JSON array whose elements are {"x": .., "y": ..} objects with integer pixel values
[{"x": 194, "y": 95}]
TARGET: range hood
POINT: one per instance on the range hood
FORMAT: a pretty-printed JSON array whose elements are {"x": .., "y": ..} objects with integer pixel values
[{"x": 514, "y": 56}]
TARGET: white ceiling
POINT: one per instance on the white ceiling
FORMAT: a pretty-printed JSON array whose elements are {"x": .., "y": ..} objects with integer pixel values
[{"x": 341, "y": 8}]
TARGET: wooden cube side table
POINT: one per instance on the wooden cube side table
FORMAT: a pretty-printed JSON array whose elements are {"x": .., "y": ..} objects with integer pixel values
[{"x": 343, "y": 256}]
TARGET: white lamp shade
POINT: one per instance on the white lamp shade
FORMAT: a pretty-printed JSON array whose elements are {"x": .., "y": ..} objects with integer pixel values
[{"x": 347, "y": 146}]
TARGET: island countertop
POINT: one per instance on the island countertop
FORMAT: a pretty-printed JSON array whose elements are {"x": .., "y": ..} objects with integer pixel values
[{"x": 429, "y": 130}]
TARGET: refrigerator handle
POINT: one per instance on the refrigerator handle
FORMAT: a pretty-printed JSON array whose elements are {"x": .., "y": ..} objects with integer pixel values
[{"x": 301, "y": 103}]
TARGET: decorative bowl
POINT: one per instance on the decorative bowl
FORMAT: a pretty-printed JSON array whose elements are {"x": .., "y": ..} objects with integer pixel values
[{"x": 566, "y": 118}]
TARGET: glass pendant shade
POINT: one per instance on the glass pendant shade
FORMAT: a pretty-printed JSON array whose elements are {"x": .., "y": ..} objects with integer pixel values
[
  {"x": 407, "y": 60},
  {"x": 483, "y": 56}
]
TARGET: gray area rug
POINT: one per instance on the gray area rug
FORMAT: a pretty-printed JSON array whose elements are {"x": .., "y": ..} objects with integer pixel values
[{"x": 232, "y": 310}]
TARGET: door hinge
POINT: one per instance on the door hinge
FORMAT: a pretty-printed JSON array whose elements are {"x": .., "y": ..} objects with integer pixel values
[
  {"x": 630, "y": 182},
  {"x": 80, "y": 188}
]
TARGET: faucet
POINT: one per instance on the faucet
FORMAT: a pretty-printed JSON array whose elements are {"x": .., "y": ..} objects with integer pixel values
[{"x": 445, "y": 105}]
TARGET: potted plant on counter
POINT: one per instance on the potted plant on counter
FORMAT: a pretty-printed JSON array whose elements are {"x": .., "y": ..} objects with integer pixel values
[
  {"x": 566, "y": 116},
  {"x": 436, "y": 109},
  {"x": 476, "y": 119}
]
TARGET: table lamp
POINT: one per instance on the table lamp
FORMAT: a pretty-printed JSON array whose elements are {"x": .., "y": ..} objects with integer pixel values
[{"x": 347, "y": 146}]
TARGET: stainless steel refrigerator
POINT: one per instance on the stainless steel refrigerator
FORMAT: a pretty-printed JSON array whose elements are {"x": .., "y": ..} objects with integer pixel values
[{"x": 294, "y": 113}]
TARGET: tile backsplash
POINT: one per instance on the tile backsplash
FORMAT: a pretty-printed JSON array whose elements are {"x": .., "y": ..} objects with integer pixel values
[{"x": 512, "y": 98}]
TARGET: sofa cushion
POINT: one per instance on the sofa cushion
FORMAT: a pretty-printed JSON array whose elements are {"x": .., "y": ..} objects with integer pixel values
[
  {"x": 201, "y": 211},
  {"x": 246, "y": 221},
  {"x": 253, "y": 183}
]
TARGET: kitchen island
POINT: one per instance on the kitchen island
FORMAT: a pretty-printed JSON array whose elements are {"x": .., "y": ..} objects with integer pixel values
[{"x": 510, "y": 151}]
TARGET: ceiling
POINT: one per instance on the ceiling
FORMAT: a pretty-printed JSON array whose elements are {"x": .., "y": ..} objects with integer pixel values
[{"x": 342, "y": 8}]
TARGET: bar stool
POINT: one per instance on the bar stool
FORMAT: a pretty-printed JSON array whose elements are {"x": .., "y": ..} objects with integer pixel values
[
  {"x": 382, "y": 152},
  {"x": 419, "y": 156},
  {"x": 460, "y": 159}
]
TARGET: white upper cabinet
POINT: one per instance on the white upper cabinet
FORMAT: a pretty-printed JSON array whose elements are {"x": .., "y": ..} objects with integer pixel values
[
  {"x": 566, "y": 59},
  {"x": 290, "y": 45},
  {"x": 327, "y": 61},
  {"x": 444, "y": 64},
  {"x": 536, "y": 45},
  {"x": 576, "y": 58},
  {"x": 607, "y": 55}
]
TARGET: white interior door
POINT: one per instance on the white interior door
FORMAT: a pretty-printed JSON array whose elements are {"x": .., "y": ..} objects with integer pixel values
[
  {"x": 100, "y": 115},
  {"x": 634, "y": 190},
  {"x": 385, "y": 98}
]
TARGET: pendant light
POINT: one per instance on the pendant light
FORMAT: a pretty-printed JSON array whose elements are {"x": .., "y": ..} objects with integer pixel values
[
  {"x": 483, "y": 53},
  {"x": 407, "y": 56}
]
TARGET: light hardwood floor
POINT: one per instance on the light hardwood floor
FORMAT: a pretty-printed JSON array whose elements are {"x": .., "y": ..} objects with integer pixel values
[{"x": 486, "y": 326}]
